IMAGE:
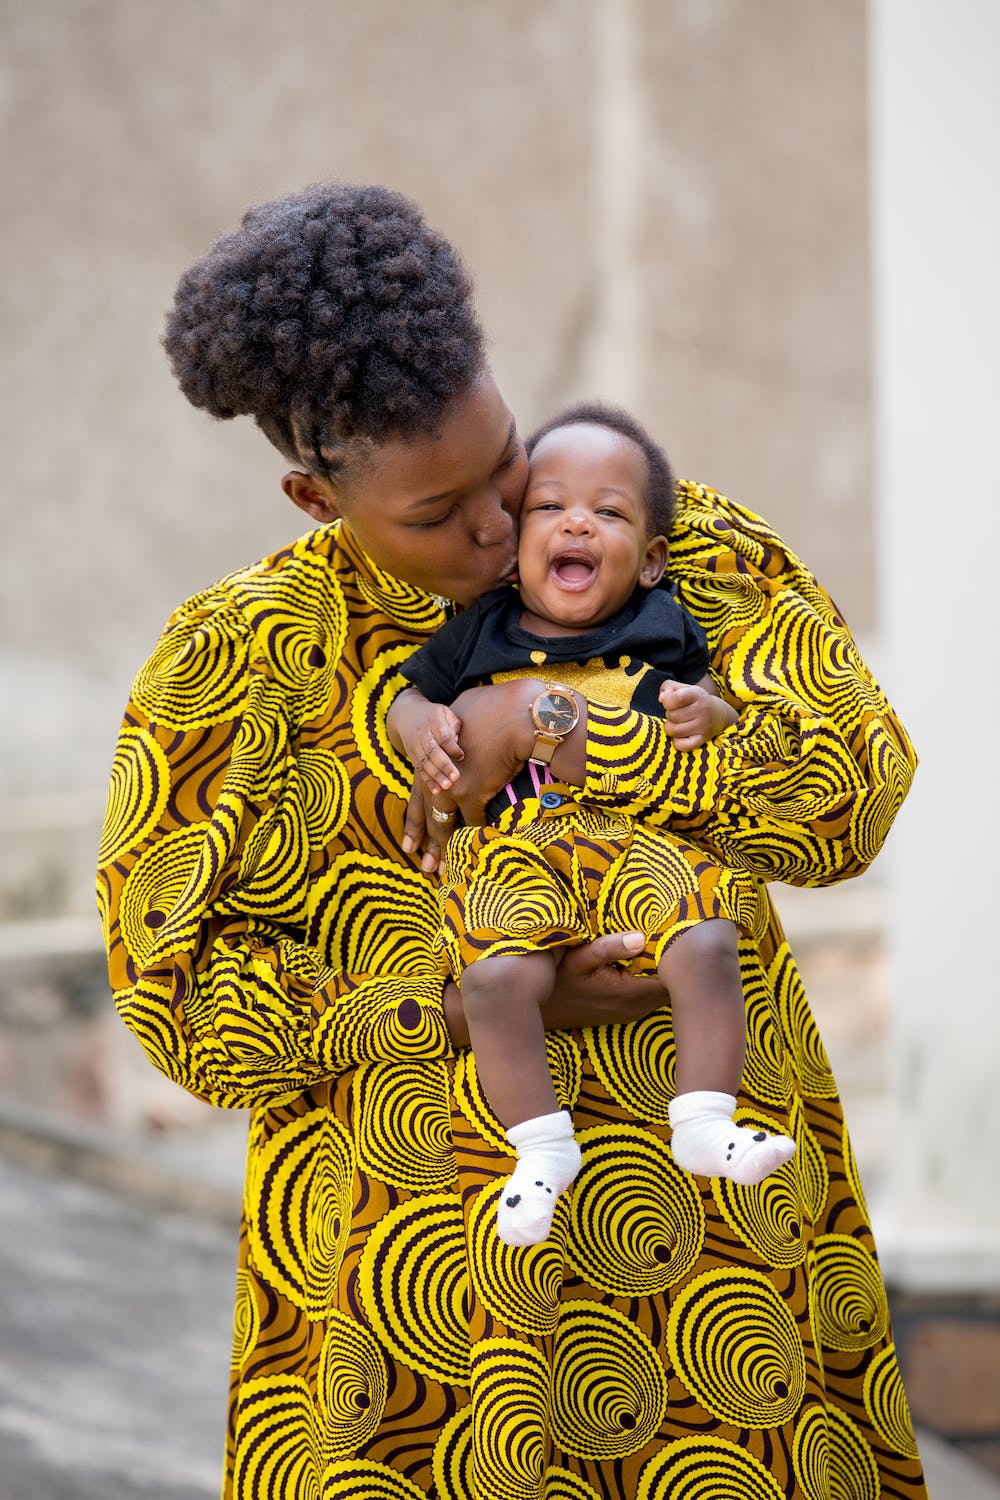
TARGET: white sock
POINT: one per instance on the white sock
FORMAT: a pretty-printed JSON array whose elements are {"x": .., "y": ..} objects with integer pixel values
[
  {"x": 706, "y": 1141},
  {"x": 548, "y": 1159}
]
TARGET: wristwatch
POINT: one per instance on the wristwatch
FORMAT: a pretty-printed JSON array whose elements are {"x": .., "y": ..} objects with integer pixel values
[{"x": 555, "y": 713}]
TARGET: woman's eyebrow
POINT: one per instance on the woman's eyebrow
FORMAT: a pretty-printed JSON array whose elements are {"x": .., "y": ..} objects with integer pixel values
[{"x": 433, "y": 499}]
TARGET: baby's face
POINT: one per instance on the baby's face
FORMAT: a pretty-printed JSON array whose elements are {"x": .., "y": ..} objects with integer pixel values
[{"x": 583, "y": 544}]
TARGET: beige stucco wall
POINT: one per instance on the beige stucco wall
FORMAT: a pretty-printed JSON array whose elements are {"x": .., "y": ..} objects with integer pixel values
[{"x": 660, "y": 199}]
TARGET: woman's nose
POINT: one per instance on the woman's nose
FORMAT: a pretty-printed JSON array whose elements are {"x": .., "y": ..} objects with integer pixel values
[{"x": 493, "y": 524}]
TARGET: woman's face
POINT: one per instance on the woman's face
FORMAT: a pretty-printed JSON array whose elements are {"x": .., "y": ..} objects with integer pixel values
[{"x": 439, "y": 511}]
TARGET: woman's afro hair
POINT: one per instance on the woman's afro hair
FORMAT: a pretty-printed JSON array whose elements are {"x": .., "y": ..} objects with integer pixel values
[
  {"x": 660, "y": 485},
  {"x": 333, "y": 314}
]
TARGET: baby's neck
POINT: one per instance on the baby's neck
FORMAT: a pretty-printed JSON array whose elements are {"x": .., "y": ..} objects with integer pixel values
[{"x": 540, "y": 626}]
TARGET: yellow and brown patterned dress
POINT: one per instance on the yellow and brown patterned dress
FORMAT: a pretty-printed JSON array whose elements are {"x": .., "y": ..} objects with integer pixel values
[{"x": 271, "y": 947}]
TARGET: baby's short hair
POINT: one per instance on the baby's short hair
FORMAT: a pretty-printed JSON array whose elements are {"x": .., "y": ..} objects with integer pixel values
[{"x": 660, "y": 498}]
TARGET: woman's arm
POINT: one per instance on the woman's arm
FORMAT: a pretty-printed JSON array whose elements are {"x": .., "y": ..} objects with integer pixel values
[
  {"x": 802, "y": 788},
  {"x": 220, "y": 895}
]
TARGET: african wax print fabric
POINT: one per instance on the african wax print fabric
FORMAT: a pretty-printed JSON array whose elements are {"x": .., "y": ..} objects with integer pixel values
[
  {"x": 272, "y": 948},
  {"x": 561, "y": 873}
]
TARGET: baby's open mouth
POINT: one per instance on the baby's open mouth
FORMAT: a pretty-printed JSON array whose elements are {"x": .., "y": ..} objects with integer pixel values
[{"x": 573, "y": 570}]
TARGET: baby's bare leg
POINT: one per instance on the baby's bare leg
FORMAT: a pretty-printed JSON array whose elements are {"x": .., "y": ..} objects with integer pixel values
[
  {"x": 701, "y": 970},
  {"x": 502, "y": 998}
]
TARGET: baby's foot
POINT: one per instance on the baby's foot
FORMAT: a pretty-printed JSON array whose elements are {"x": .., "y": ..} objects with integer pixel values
[
  {"x": 706, "y": 1141},
  {"x": 548, "y": 1158}
]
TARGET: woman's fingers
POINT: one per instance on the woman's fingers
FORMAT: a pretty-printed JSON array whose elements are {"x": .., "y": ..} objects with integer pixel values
[
  {"x": 609, "y": 948},
  {"x": 414, "y": 821}
]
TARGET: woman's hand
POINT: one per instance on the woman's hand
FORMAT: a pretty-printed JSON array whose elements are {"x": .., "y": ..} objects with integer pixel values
[
  {"x": 430, "y": 821},
  {"x": 590, "y": 990},
  {"x": 497, "y": 738}
]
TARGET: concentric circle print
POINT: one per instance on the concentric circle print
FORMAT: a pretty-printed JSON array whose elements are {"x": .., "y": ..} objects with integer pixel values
[
  {"x": 512, "y": 891},
  {"x": 452, "y": 1461},
  {"x": 736, "y": 1347},
  {"x": 887, "y": 1406},
  {"x": 635, "y": 1063},
  {"x": 274, "y": 869},
  {"x": 352, "y": 1385},
  {"x": 809, "y": 1164},
  {"x": 637, "y": 1224},
  {"x": 302, "y": 1184},
  {"x": 474, "y": 1106},
  {"x": 413, "y": 1280},
  {"x": 402, "y": 602},
  {"x": 370, "y": 703},
  {"x": 402, "y": 1124},
  {"x": 196, "y": 676},
  {"x": 706, "y": 1468},
  {"x": 850, "y": 1301},
  {"x": 519, "y": 1286},
  {"x": 139, "y": 791},
  {"x": 798, "y": 1028},
  {"x": 358, "y": 1479},
  {"x": 852, "y": 1174},
  {"x": 300, "y": 625},
  {"x": 767, "y": 1074},
  {"x": 156, "y": 885},
  {"x": 277, "y": 1447},
  {"x": 369, "y": 915},
  {"x": 326, "y": 794},
  {"x": 853, "y": 1469},
  {"x": 246, "y": 1320},
  {"x": 609, "y": 1387},
  {"x": 561, "y": 1484},
  {"x": 811, "y": 1454},
  {"x": 510, "y": 1397}
]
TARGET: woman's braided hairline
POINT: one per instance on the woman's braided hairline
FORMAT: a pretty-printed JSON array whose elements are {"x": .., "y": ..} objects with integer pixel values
[{"x": 332, "y": 314}]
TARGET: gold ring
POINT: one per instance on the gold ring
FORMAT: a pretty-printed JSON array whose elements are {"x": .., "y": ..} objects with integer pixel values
[{"x": 441, "y": 817}]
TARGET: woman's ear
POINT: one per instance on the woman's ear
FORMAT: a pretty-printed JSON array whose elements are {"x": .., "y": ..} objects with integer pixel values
[
  {"x": 655, "y": 562},
  {"x": 309, "y": 495}
]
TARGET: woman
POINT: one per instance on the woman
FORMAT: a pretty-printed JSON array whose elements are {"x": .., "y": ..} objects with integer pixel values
[{"x": 270, "y": 936}]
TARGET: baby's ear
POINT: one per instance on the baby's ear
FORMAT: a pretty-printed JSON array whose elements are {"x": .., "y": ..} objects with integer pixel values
[{"x": 654, "y": 563}]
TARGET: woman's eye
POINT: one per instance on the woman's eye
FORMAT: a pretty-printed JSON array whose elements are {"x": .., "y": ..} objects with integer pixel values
[
  {"x": 514, "y": 453},
  {"x": 439, "y": 521}
]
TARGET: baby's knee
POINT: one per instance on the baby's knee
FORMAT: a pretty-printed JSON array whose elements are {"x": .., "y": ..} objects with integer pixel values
[
  {"x": 713, "y": 944},
  {"x": 504, "y": 982}
]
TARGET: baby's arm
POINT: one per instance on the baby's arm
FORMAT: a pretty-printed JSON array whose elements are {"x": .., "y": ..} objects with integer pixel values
[
  {"x": 427, "y": 734},
  {"x": 694, "y": 712}
]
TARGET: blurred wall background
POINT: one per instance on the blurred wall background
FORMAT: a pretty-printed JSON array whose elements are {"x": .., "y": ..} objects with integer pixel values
[{"x": 663, "y": 202}]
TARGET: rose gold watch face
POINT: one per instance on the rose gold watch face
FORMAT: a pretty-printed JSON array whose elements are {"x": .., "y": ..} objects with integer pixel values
[{"x": 556, "y": 713}]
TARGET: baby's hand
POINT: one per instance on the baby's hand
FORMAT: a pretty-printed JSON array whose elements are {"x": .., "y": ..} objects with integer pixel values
[
  {"x": 433, "y": 748},
  {"x": 427, "y": 733},
  {"x": 693, "y": 714}
]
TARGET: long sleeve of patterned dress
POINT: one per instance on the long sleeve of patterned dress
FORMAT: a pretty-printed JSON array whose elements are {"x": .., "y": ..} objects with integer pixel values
[
  {"x": 805, "y": 786},
  {"x": 263, "y": 929}
]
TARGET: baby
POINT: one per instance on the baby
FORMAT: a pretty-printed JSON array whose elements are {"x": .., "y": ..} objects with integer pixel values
[{"x": 547, "y": 870}]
